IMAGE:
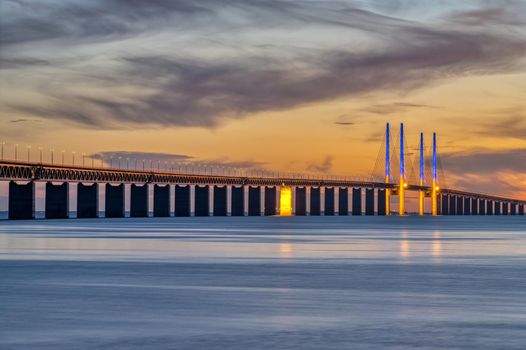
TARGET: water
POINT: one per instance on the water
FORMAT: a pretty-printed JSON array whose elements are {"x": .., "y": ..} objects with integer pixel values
[{"x": 264, "y": 283}]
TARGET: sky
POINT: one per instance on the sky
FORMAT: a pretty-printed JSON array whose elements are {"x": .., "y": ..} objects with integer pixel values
[{"x": 280, "y": 86}]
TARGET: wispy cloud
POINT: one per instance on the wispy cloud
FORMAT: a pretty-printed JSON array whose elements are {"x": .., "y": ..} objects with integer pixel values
[{"x": 205, "y": 88}]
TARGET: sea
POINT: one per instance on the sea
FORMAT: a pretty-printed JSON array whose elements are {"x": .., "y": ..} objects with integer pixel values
[{"x": 264, "y": 283}]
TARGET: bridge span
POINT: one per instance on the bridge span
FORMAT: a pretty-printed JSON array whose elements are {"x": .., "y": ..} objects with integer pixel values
[{"x": 86, "y": 192}]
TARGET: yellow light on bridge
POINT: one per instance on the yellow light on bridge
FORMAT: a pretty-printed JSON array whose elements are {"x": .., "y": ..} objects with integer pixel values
[
  {"x": 285, "y": 201},
  {"x": 405, "y": 185},
  {"x": 436, "y": 188}
]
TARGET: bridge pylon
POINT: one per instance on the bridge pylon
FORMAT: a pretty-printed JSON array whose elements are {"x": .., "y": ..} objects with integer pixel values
[
  {"x": 435, "y": 188},
  {"x": 421, "y": 192},
  {"x": 402, "y": 183},
  {"x": 387, "y": 171}
]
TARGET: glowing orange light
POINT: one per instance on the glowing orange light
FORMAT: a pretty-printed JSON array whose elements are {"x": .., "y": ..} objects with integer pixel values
[{"x": 285, "y": 201}]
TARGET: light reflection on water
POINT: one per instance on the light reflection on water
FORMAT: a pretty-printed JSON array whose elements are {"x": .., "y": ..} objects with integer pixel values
[{"x": 259, "y": 283}]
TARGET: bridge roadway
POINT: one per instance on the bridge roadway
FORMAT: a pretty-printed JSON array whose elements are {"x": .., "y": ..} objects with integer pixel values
[{"x": 99, "y": 192}]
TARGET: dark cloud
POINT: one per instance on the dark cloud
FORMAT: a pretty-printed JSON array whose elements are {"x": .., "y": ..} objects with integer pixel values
[
  {"x": 182, "y": 91},
  {"x": 485, "y": 161},
  {"x": 17, "y": 121},
  {"x": 389, "y": 108},
  {"x": 21, "y": 62},
  {"x": 513, "y": 126},
  {"x": 344, "y": 123},
  {"x": 509, "y": 15}
]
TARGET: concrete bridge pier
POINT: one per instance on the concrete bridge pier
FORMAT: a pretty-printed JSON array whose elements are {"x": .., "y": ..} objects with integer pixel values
[
  {"x": 114, "y": 201},
  {"x": 444, "y": 200},
  {"x": 482, "y": 206},
  {"x": 182, "y": 200},
  {"x": 254, "y": 201},
  {"x": 300, "y": 201},
  {"x": 238, "y": 201},
  {"x": 21, "y": 201},
  {"x": 139, "y": 201},
  {"x": 322, "y": 200},
  {"x": 88, "y": 200},
  {"x": 505, "y": 208},
  {"x": 474, "y": 206},
  {"x": 220, "y": 201},
  {"x": 381, "y": 198},
  {"x": 328, "y": 207},
  {"x": 270, "y": 201},
  {"x": 202, "y": 201},
  {"x": 336, "y": 200},
  {"x": 229, "y": 200},
  {"x": 161, "y": 200},
  {"x": 369, "y": 201},
  {"x": 490, "y": 207},
  {"x": 343, "y": 201},
  {"x": 308, "y": 196},
  {"x": 56, "y": 199},
  {"x": 315, "y": 205},
  {"x": 467, "y": 206},
  {"x": 498, "y": 208},
  {"x": 356, "y": 201}
]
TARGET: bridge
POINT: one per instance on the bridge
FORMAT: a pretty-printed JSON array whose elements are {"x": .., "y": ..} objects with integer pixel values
[{"x": 70, "y": 191}]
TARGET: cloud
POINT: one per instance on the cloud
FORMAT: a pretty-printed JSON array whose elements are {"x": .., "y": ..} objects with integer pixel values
[
  {"x": 481, "y": 161},
  {"x": 323, "y": 167},
  {"x": 501, "y": 172},
  {"x": 17, "y": 121},
  {"x": 155, "y": 159},
  {"x": 389, "y": 108},
  {"x": 175, "y": 89}
]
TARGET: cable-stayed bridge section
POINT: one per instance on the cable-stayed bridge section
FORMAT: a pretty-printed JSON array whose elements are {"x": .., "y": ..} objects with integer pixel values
[{"x": 68, "y": 191}]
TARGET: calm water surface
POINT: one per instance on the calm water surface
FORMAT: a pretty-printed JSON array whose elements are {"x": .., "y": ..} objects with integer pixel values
[{"x": 264, "y": 283}]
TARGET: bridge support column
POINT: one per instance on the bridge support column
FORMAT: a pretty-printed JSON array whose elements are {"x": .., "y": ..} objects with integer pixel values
[
  {"x": 182, "y": 200},
  {"x": 293, "y": 199},
  {"x": 246, "y": 204},
  {"x": 139, "y": 201},
  {"x": 114, "y": 201},
  {"x": 254, "y": 201},
  {"x": 460, "y": 205},
  {"x": 88, "y": 200},
  {"x": 328, "y": 201},
  {"x": 161, "y": 200},
  {"x": 444, "y": 199},
  {"x": 336, "y": 201},
  {"x": 322, "y": 200},
  {"x": 101, "y": 198},
  {"x": 381, "y": 202},
  {"x": 315, "y": 202},
  {"x": 301, "y": 201},
  {"x": 482, "y": 206},
  {"x": 192, "y": 200},
  {"x": 270, "y": 201},
  {"x": 490, "y": 207},
  {"x": 369, "y": 201},
  {"x": 72, "y": 199},
  {"x": 474, "y": 206},
  {"x": 513, "y": 208},
  {"x": 238, "y": 201},
  {"x": 57, "y": 199},
  {"x": 467, "y": 206},
  {"x": 356, "y": 201},
  {"x": 221, "y": 207},
  {"x": 505, "y": 208},
  {"x": 21, "y": 201},
  {"x": 308, "y": 199},
  {"x": 211, "y": 195},
  {"x": 127, "y": 200},
  {"x": 343, "y": 201},
  {"x": 229, "y": 200},
  {"x": 172, "y": 200},
  {"x": 201, "y": 201},
  {"x": 261, "y": 200}
]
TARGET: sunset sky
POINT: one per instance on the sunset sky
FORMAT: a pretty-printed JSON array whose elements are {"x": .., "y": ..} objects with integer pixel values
[{"x": 303, "y": 86}]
